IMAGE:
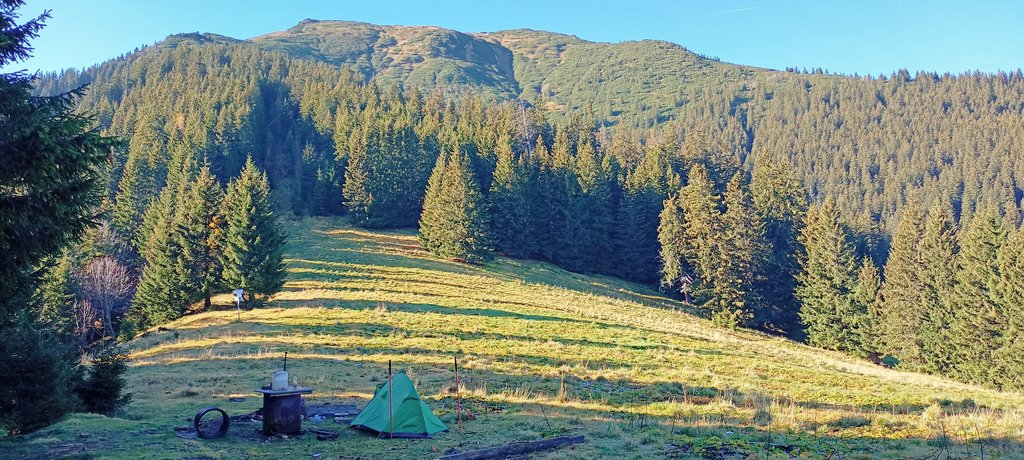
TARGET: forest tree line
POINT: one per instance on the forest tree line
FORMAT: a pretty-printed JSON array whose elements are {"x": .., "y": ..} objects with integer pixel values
[{"x": 715, "y": 204}]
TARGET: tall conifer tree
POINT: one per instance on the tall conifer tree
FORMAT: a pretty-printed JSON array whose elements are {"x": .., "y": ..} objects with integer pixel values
[
  {"x": 898, "y": 313},
  {"x": 162, "y": 294},
  {"x": 741, "y": 256},
  {"x": 635, "y": 233},
  {"x": 356, "y": 192},
  {"x": 676, "y": 272},
  {"x": 865, "y": 300},
  {"x": 1009, "y": 355},
  {"x": 540, "y": 199},
  {"x": 827, "y": 282},
  {"x": 593, "y": 209},
  {"x": 781, "y": 202},
  {"x": 566, "y": 200},
  {"x": 253, "y": 241},
  {"x": 454, "y": 221},
  {"x": 199, "y": 224},
  {"x": 978, "y": 322},
  {"x": 938, "y": 267},
  {"x": 702, "y": 227},
  {"x": 510, "y": 203}
]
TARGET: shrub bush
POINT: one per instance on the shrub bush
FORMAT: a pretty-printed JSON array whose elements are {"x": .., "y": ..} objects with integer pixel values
[{"x": 103, "y": 392}]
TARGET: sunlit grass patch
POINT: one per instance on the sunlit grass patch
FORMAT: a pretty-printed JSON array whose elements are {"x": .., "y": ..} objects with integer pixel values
[{"x": 542, "y": 351}]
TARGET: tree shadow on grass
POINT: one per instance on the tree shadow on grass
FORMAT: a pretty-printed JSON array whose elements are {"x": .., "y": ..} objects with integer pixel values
[
  {"x": 315, "y": 301},
  {"x": 589, "y": 389},
  {"x": 500, "y": 408}
]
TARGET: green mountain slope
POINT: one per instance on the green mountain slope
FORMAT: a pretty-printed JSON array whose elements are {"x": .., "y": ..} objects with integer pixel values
[
  {"x": 874, "y": 144},
  {"x": 411, "y": 56},
  {"x": 646, "y": 79},
  {"x": 543, "y": 352},
  {"x": 639, "y": 77}
]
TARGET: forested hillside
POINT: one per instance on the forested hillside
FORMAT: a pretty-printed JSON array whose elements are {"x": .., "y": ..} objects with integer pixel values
[
  {"x": 768, "y": 198},
  {"x": 875, "y": 143}
]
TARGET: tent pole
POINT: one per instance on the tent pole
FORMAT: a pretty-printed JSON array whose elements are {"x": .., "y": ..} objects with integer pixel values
[
  {"x": 391, "y": 407},
  {"x": 458, "y": 393}
]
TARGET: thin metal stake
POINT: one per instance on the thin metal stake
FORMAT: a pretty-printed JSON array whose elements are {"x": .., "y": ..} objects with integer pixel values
[
  {"x": 458, "y": 393},
  {"x": 391, "y": 407}
]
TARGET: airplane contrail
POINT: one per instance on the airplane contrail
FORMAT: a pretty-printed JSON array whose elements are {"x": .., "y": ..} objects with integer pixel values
[{"x": 736, "y": 10}]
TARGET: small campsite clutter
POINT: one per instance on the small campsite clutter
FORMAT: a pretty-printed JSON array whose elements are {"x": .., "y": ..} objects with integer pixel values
[
  {"x": 395, "y": 411},
  {"x": 282, "y": 403}
]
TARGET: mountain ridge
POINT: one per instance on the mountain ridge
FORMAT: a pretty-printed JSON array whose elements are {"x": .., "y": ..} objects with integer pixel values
[{"x": 567, "y": 72}]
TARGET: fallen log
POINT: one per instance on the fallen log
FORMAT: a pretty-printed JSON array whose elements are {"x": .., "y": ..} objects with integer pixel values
[
  {"x": 516, "y": 448},
  {"x": 324, "y": 435}
]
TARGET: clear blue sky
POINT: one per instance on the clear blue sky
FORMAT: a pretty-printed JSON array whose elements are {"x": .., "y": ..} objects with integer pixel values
[{"x": 850, "y": 36}]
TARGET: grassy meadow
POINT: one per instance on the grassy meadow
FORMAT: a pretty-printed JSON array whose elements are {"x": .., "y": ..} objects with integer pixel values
[{"x": 542, "y": 351}]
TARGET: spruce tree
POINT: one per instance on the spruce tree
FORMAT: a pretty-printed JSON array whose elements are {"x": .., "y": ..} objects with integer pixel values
[
  {"x": 898, "y": 315},
  {"x": 567, "y": 207},
  {"x": 676, "y": 272},
  {"x": 978, "y": 321},
  {"x": 542, "y": 204},
  {"x": 635, "y": 233},
  {"x": 454, "y": 220},
  {"x": 593, "y": 207},
  {"x": 865, "y": 300},
  {"x": 387, "y": 171},
  {"x": 631, "y": 235},
  {"x": 127, "y": 215},
  {"x": 431, "y": 220},
  {"x": 356, "y": 190},
  {"x": 56, "y": 297},
  {"x": 104, "y": 390},
  {"x": 50, "y": 178},
  {"x": 162, "y": 294},
  {"x": 702, "y": 229},
  {"x": 50, "y": 172},
  {"x": 781, "y": 202},
  {"x": 827, "y": 282},
  {"x": 938, "y": 267},
  {"x": 1009, "y": 292},
  {"x": 252, "y": 245},
  {"x": 741, "y": 251},
  {"x": 199, "y": 224},
  {"x": 510, "y": 203},
  {"x": 145, "y": 172}
]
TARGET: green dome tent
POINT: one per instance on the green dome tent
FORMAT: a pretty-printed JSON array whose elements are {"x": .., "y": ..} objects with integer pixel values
[{"x": 411, "y": 417}]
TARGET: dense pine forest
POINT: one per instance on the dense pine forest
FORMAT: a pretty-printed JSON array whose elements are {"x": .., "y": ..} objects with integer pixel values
[{"x": 874, "y": 215}]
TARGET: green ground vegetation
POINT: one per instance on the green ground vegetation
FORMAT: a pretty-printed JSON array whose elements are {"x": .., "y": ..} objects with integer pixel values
[{"x": 543, "y": 352}]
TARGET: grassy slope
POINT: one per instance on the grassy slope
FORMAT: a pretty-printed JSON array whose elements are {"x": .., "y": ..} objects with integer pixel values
[
  {"x": 413, "y": 56},
  {"x": 543, "y": 350},
  {"x": 620, "y": 79}
]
